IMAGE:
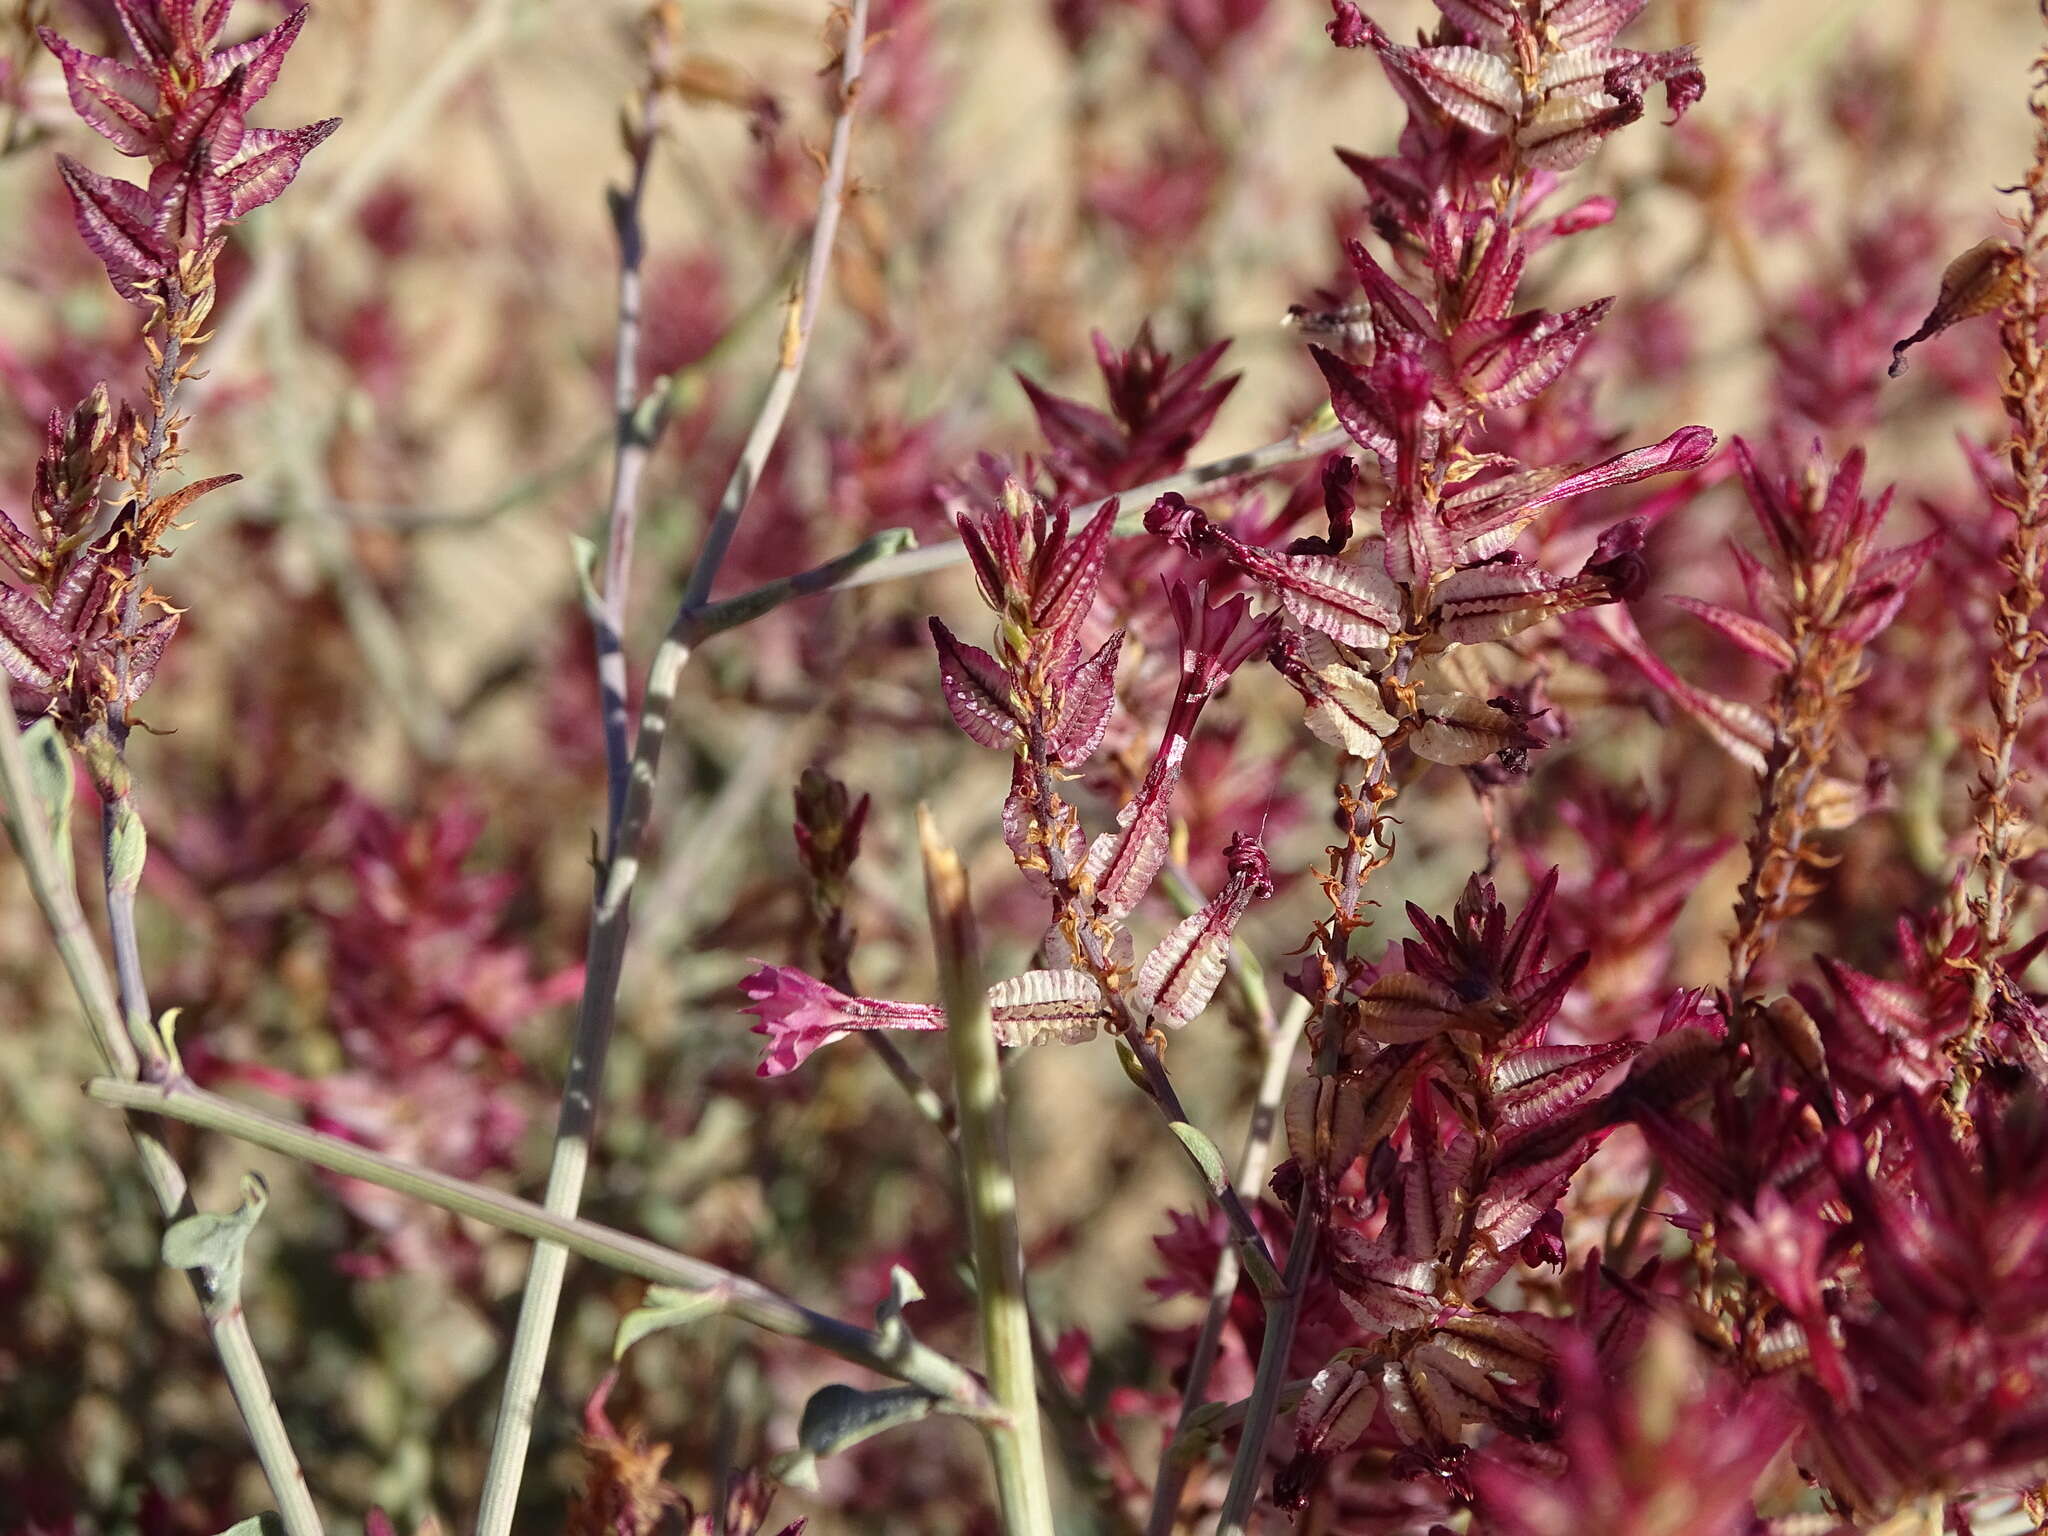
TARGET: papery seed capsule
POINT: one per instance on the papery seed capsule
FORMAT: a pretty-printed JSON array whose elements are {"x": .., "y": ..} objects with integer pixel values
[{"x": 1325, "y": 1124}]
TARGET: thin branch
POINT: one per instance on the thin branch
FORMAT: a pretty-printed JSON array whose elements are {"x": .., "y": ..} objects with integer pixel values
[
  {"x": 56, "y": 893},
  {"x": 1280, "y": 1042},
  {"x": 1283, "y": 1313},
  {"x": 634, "y": 434},
  {"x": 611, "y": 911},
  {"x": 2004, "y": 821},
  {"x": 1238, "y": 466},
  {"x": 898, "y": 1356},
  {"x": 1132, "y": 1031},
  {"x": 1017, "y": 1446},
  {"x": 798, "y": 326}
]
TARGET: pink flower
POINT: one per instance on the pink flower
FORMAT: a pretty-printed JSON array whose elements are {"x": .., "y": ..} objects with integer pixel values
[{"x": 799, "y": 1013}]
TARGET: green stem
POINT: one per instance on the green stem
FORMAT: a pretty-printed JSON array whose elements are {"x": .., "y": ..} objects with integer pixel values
[
  {"x": 56, "y": 892},
  {"x": 1255, "y": 461},
  {"x": 1016, "y": 1443},
  {"x": 1283, "y": 1312},
  {"x": 1251, "y": 1172},
  {"x": 628, "y": 813},
  {"x": 902, "y": 1358}
]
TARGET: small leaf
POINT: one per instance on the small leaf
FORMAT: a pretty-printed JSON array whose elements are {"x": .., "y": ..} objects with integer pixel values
[
  {"x": 839, "y": 1417},
  {"x": 167, "y": 1039},
  {"x": 583, "y": 559},
  {"x": 268, "y": 162},
  {"x": 1474, "y": 88},
  {"x": 265, "y": 1524},
  {"x": 1359, "y": 411},
  {"x": 1506, "y": 362},
  {"x": 1086, "y": 698},
  {"x": 118, "y": 222},
  {"x": 1123, "y": 864},
  {"x": 892, "y": 1329},
  {"x": 977, "y": 689},
  {"x": 1402, "y": 1007},
  {"x": 260, "y": 59},
  {"x": 1460, "y": 730},
  {"x": 1205, "y": 1154},
  {"x": 664, "y": 1306},
  {"x": 212, "y": 1242},
  {"x": 116, "y": 100},
  {"x": 1182, "y": 973},
  {"x": 49, "y": 770},
  {"x": 1752, "y": 635},
  {"x": 127, "y": 848},
  {"x": 1134, "y": 1069}
]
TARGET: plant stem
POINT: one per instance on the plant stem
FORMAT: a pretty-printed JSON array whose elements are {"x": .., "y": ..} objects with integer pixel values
[
  {"x": 2003, "y": 821},
  {"x": 56, "y": 893},
  {"x": 798, "y": 327},
  {"x": 1015, "y": 1444},
  {"x": 1251, "y": 1171},
  {"x": 1283, "y": 1312},
  {"x": 1254, "y": 461},
  {"x": 958, "y": 1389},
  {"x": 1131, "y": 1029},
  {"x": 634, "y": 434},
  {"x": 611, "y": 910}
]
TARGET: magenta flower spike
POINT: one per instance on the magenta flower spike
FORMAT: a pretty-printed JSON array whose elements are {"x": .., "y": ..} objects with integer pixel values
[{"x": 799, "y": 1013}]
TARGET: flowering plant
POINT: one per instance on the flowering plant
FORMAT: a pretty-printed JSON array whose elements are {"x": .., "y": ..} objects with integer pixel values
[{"x": 1569, "y": 1200}]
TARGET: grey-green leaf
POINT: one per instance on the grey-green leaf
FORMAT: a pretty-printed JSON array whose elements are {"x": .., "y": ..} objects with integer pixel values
[
  {"x": 1204, "y": 1152},
  {"x": 838, "y": 1417},
  {"x": 128, "y": 847},
  {"x": 213, "y": 1241},
  {"x": 663, "y": 1307},
  {"x": 49, "y": 767},
  {"x": 891, "y": 1325}
]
